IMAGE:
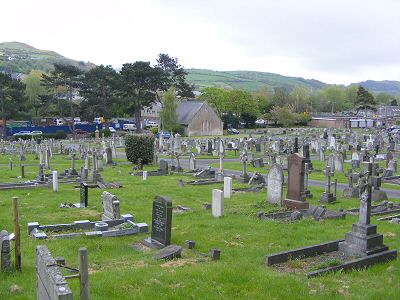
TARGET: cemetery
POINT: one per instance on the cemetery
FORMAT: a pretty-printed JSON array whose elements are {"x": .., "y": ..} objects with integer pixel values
[{"x": 281, "y": 209}]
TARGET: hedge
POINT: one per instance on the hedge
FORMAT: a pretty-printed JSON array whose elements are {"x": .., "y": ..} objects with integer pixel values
[{"x": 139, "y": 146}]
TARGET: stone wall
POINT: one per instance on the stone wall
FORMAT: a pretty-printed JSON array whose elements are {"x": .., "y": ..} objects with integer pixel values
[{"x": 205, "y": 122}]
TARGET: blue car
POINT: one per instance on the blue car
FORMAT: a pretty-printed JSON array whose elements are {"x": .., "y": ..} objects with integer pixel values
[{"x": 164, "y": 134}]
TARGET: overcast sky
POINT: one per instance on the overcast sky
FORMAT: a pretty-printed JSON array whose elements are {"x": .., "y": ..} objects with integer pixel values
[{"x": 336, "y": 41}]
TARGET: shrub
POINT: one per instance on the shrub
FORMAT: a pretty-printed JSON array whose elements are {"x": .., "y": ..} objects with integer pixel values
[
  {"x": 154, "y": 130},
  {"x": 60, "y": 135},
  {"x": 177, "y": 128},
  {"x": 139, "y": 146},
  {"x": 105, "y": 133}
]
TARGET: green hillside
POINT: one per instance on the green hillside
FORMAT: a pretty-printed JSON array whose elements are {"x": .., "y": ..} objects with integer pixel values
[
  {"x": 22, "y": 58},
  {"x": 247, "y": 80}
]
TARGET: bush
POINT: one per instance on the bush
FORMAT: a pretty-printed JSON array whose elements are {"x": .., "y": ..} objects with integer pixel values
[
  {"x": 177, "y": 128},
  {"x": 154, "y": 130},
  {"x": 139, "y": 146},
  {"x": 105, "y": 133},
  {"x": 60, "y": 135}
]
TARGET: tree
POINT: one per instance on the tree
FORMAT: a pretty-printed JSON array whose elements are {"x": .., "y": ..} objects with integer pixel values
[
  {"x": 281, "y": 96},
  {"x": 99, "y": 87},
  {"x": 139, "y": 85},
  {"x": 263, "y": 99},
  {"x": 300, "y": 99},
  {"x": 174, "y": 75},
  {"x": 63, "y": 82},
  {"x": 168, "y": 115},
  {"x": 34, "y": 89},
  {"x": 12, "y": 99},
  {"x": 216, "y": 97},
  {"x": 284, "y": 115},
  {"x": 365, "y": 100}
]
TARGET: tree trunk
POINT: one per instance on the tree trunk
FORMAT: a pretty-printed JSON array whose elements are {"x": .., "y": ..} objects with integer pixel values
[
  {"x": 4, "y": 131},
  {"x": 138, "y": 119}
]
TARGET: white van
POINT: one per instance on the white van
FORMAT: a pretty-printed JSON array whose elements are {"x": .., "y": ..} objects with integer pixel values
[
  {"x": 59, "y": 122},
  {"x": 129, "y": 127}
]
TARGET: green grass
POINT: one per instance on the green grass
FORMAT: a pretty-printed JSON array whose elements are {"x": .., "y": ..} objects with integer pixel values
[{"x": 119, "y": 272}]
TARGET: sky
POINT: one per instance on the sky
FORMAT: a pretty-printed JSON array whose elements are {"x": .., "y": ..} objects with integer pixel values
[{"x": 335, "y": 41}]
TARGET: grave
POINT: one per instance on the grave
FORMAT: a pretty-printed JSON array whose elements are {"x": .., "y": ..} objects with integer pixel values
[
  {"x": 5, "y": 248},
  {"x": 111, "y": 209},
  {"x": 274, "y": 183},
  {"x": 362, "y": 247},
  {"x": 52, "y": 284},
  {"x": 327, "y": 196},
  {"x": 161, "y": 223},
  {"x": 295, "y": 197}
]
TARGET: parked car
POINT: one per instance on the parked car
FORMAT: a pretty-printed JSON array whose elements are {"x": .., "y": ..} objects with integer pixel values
[
  {"x": 151, "y": 124},
  {"x": 396, "y": 131},
  {"x": 392, "y": 128},
  {"x": 165, "y": 134},
  {"x": 77, "y": 120},
  {"x": 129, "y": 127},
  {"x": 112, "y": 129},
  {"x": 260, "y": 122},
  {"x": 21, "y": 133},
  {"x": 36, "y": 132},
  {"x": 233, "y": 131}
]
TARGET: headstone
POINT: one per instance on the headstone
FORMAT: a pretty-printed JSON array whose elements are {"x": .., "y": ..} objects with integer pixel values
[
  {"x": 109, "y": 156},
  {"x": 84, "y": 194},
  {"x": 5, "y": 256},
  {"x": 144, "y": 175},
  {"x": 227, "y": 187},
  {"x": 295, "y": 197},
  {"x": 274, "y": 182},
  {"x": 217, "y": 203},
  {"x": 111, "y": 209},
  {"x": 55, "y": 181},
  {"x": 162, "y": 220}
]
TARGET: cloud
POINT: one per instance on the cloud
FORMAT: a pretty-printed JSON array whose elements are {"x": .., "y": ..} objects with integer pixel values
[{"x": 336, "y": 41}]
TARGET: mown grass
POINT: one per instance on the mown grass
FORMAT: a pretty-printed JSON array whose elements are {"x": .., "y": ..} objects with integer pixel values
[{"x": 119, "y": 272}]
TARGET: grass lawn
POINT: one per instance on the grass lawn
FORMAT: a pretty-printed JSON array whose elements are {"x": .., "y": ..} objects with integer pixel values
[{"x": 119, "y": 272}]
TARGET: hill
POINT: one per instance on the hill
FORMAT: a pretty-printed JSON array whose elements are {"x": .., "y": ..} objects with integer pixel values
[
  {"x": 384, "y": 86},
  {"x": 18, "y": 57},
  {"x": 247, "y": 80}
]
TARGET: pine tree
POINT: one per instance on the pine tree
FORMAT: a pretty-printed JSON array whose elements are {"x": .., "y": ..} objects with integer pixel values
[{"x": 364, "y": 101}]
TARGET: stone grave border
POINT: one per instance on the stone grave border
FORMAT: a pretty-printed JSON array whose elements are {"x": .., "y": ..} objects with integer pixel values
[
  {"x": 355, "y": 211},
  {"x": 315, "y": 250},
  {"x": 88, "y": 228},
  {"x": 51, "y": 283}
]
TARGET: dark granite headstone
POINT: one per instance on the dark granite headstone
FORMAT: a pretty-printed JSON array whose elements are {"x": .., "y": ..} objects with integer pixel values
[
  {"x": 161, "y": 220},
  {"x": 84, "y": 194}
]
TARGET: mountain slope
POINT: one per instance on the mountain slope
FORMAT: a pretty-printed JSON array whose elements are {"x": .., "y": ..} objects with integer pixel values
[
  {"x": 384, "y": 86},
  {"x": 22, "y": 58},
  {"x": 247, "y": 80}
]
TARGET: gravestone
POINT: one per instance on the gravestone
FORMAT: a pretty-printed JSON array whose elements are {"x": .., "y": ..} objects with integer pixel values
[
  {"x": 161, "y": 223},
  {"x": 84, "y": 191},
  {"x": 55, "y": 181},
  {"x": 217, "y": 203},
  {"x": 109, "y": 160},
  {"x": 5, "y": 256},
  {"x": 274, "y": 182},
  {"x": 111, "y": 209},
  {"x": 295, "y": 197},
  {"x": 228, "y": 187},
  {"x": 327, "y": 196},
  {"x": 163, "y": 167},
  {"x": 355, "y": 160},
  {"x": 363, "y": 240}
]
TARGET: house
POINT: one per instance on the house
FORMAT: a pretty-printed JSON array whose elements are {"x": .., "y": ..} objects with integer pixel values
[{"x": 199, "y": 119}]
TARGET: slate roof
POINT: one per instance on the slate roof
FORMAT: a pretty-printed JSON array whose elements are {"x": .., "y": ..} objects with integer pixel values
[{"x": 187, "y": 110}]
